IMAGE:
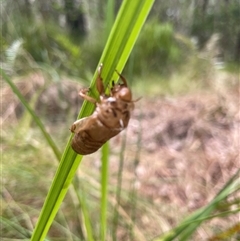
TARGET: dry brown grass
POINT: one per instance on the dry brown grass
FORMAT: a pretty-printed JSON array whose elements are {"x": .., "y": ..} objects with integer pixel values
[
  {"x": 189, "y": 148},
  {"x": 54, "y": 100}
]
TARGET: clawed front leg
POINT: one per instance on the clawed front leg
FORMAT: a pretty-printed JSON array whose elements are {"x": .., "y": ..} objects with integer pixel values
[
  {"x": 99, "y": 81},
  {"x": 122, "y": 78},
  {"x": 100, "y": 88},
  {"x": 83, "y": 94}
]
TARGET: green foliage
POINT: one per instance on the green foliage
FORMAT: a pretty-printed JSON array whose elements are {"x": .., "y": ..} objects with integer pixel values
[
  {"x": 232, "y": 67},
  {"x": 43, "y": 42},
  {"x": 222, "y": 18},
  {"x": 159, "y": 48}
]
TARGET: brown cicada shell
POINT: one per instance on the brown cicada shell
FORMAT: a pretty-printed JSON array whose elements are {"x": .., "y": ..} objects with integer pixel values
[{"x": 110, "y": 117}]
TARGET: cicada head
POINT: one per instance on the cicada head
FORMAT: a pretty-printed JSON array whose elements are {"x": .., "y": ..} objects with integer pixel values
[{"x": 122, "y": 92}]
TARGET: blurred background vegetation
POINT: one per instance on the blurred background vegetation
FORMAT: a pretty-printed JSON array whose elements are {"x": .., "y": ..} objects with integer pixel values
[
  {"x": 69, "y": 35},
  {"x": 50, "y": 50}
]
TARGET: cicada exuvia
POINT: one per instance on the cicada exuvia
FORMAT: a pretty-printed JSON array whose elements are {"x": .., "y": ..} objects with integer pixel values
[{"x": 110, "y": 117}]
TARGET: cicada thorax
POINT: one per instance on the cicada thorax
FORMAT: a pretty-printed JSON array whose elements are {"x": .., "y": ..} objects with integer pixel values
[
  {"x": 114, "y": 113},
  {"x": 110, "y": 117}
]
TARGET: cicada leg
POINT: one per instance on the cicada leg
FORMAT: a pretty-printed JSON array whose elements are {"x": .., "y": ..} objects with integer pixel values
[
  {"x": 99, "y": 81},
  {"x": 83, "y": 94},
  {"x": 122, "y": 78},
  {"x": 100, "y": 88}
]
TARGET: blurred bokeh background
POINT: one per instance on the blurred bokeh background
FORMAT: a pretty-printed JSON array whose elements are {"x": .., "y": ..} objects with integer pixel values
[{"x": 182, "y": 143}]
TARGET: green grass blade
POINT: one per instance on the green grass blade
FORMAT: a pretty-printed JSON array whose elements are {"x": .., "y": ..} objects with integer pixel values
[
  {"x": 109, "y": 16},
  {"x": 33, "y": 114},
  {"x": 14, "y": 225},
  {"x": 190, "y": 224},
  {"x": 128, "y": 24},
  {"x": 105, "y": 150},
  {"x": 85, "y": 211},
  {"x": 123, "y": 36},
  {"x": 104, "y": 191},
  {"x": 62, "y": 180},
  {"x": 119, "y": 188}
]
